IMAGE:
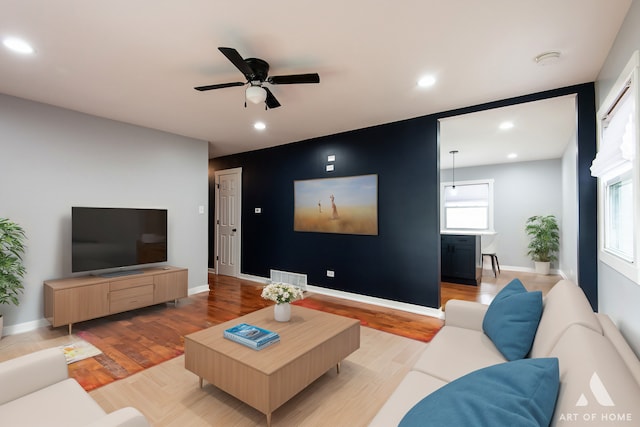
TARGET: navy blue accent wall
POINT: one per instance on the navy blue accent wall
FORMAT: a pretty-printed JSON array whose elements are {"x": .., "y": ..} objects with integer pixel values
[
  {"x": 402, "y": 263},
  {"x": 587, "y": 197}
]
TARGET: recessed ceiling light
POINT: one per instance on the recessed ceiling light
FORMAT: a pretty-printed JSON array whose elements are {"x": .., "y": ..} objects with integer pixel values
[
  {"x": 259, "y": 125},
  {"x": 506, "y": 125},
  {"x": 512, "y": 155},
  {"x": 427, "y": 81},
  {"x": 17, "y": 45}
]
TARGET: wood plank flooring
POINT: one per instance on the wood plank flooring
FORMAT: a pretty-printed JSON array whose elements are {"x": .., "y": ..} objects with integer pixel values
[{"x": 132, "y": 342}]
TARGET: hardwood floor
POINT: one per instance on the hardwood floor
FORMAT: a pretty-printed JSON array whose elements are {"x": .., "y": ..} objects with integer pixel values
[{"x": 490, "y": 286}]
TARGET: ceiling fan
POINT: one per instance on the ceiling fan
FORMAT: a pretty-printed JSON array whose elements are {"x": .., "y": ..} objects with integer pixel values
[{"x": 256, "y": 72}]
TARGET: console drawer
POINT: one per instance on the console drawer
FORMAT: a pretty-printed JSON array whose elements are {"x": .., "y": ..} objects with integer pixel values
[
  {"x": 131, "y": 283},
  {"x": 131, "y": 298}
]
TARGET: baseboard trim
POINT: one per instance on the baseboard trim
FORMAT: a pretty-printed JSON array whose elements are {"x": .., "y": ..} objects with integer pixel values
[
  {"x": 397, "y": 305},
  {"x": 24, "y": 327},
  {"x": 198, "y": 289},
  {"x": 530, "y": 270}
]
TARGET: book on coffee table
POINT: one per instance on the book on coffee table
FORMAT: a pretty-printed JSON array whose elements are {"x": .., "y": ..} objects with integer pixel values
[{"x": 251, "y": 336}]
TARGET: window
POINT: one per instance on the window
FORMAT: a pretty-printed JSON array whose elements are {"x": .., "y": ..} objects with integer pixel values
[
  {"x": 467, "y": 205},
  {"x": 619, "y": 216},
  {"x": 616, "y": 168}
]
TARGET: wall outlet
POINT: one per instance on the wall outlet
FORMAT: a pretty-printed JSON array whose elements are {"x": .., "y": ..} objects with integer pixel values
[
  {"x": 258, "y": 210},
  {"x": 331, "y": 273}
]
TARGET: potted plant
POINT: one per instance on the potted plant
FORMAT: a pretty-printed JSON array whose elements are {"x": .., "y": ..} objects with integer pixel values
[
  {"x": 545, "y": 241},
  {"x": 12, "y": 270}
]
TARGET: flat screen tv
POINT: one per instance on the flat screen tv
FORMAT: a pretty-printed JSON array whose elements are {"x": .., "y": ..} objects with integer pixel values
[{"x": 110, "y": 238}]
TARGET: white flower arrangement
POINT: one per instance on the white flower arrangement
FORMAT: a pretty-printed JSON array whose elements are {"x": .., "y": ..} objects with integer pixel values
[{"x": 281, "y": 293}]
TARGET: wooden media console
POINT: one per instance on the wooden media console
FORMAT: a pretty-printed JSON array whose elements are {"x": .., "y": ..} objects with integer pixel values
[{"x": 76, "y": 299}]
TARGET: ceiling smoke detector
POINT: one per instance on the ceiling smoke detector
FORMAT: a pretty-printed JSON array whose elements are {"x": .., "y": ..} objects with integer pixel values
[{"x": 547, "y": 58}]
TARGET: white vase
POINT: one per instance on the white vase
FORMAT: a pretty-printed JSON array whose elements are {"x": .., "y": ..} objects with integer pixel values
[{"x": 282, "y": 312}]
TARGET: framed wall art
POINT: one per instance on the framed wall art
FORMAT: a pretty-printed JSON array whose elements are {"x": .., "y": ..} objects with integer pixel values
[{"x": 346, "y": 205}]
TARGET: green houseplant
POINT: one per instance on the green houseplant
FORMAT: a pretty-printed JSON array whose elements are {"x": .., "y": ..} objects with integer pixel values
[
  {"x": 545, "y": 241},
  {"x": 12, "y": 270}
]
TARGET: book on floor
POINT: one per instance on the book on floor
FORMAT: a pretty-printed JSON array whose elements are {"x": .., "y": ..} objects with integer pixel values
[{"x": 251, "y": 336}]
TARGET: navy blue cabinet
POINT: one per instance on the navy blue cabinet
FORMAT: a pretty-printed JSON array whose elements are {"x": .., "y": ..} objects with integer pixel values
[{"x": 461, "y": 259}]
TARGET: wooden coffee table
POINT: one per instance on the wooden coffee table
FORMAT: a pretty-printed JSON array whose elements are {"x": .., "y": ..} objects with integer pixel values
[{"x": 310, "y": 344}]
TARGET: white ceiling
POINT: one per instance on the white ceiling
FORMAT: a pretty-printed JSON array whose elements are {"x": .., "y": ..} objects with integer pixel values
[
  {"x": 138, "y": 61},
  {"x": 541, "y": 130}
]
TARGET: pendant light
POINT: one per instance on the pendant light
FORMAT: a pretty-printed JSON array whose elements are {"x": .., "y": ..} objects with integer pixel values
[{"x": 453, "y": 155}]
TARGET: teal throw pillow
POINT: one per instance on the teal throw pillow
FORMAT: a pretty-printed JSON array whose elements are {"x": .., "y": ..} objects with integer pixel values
[
  {"x": 512, "y": 320},
  {"x": 521, "y": 393}
]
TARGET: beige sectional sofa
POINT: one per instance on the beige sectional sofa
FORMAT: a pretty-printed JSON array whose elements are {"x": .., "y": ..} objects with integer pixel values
[
  {"x": 35, "y": 390},
  {"x": 599, "y": 373}
]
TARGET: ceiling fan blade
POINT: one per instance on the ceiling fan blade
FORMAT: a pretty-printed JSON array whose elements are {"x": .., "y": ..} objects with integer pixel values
[
  {"x": 237, "y": 60},
  {"x": 271, "y": 101},
  {"x": 219, "y": 86},
  {"x": 294, "y": 79}
]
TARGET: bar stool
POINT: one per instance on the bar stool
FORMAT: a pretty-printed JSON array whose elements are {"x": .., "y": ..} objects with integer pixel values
[{"x": 490, "y": 251}]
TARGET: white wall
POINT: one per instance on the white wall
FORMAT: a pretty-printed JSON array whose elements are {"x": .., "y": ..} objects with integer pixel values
[
  {"x": 520, "y": 190},
  {"x": 619, "y": 297},
  {"x": 569, "y": 225},
  {"x": 54, "y": 158}
]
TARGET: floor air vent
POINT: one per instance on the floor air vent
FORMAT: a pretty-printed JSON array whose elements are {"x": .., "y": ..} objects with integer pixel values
[{"x": 299, "y": 280}]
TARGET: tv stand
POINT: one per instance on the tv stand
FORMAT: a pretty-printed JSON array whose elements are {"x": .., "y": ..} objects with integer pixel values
[
  {"x": 120, "y": 273},
  {"x": 76, "y": 299}
]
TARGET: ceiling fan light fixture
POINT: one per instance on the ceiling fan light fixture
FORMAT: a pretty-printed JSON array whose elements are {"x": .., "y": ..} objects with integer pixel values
[{"x": 256, "y": 94}]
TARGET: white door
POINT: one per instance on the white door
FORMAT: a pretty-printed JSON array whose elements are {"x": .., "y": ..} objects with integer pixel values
[{"x": 228, "y": 197}]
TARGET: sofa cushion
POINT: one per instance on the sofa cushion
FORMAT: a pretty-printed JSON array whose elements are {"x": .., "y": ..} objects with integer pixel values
[
  {"x": 564, "y": 305},
  {"x": 413, "y": 387},
  {"x": 61, "y": 404},
  {"x": 596, "y": 386},
  {"x": 520, "y": 393},
  {"x": 512, "y": 319},
  {"x": 31, "y": 372},
  {"x": 455, "y": 352}
]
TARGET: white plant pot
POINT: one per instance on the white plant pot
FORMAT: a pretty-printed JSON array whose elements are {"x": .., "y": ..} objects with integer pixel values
[
  {"x": 542, "y": 267},
  {"x": 282, "y": 312},
  {"x": 1, "y": 325}
]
